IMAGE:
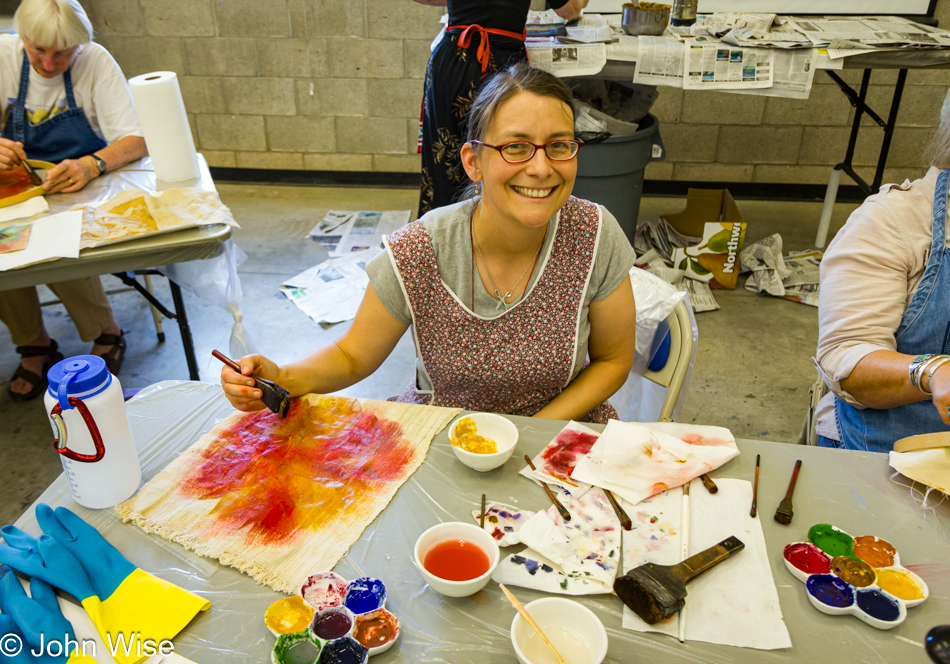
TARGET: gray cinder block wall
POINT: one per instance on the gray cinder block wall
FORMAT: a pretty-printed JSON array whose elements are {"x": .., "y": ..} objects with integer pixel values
[{"x": 336, "y": 85}]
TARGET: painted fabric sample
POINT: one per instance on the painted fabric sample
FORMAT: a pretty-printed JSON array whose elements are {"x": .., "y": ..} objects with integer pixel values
[
  {"x": 134, "y": 212},
  {"x": 576, "y": 557},
  {"x": 637, "y": 461},
  {"x": 16, "y": 187},
  {"x": 278, "y": 499},
  {"x": 557, "y": 460},
  {"x": 736, "y": 603}
]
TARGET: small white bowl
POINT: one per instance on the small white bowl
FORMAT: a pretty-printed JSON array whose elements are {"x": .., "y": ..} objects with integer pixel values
[
  {"x": 455, "y": 530},
  {"x": 560, "y": 612},
  {"x": 498, "y": 428}
]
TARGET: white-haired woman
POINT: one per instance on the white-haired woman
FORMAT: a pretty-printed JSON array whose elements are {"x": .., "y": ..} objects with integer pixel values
[
  {"x": 884, "y": 315},
  {"x": 62, "y": 99}
]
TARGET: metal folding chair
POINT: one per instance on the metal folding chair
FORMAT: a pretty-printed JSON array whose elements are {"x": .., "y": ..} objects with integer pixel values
[{"x": 670, "y": 356}]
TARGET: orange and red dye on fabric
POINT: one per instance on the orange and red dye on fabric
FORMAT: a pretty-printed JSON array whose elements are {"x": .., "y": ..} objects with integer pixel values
[{"x": 275, "y": 478}]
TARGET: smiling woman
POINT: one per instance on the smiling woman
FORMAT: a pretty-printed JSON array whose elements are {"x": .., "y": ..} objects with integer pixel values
[{"x": 519, "y": 297}]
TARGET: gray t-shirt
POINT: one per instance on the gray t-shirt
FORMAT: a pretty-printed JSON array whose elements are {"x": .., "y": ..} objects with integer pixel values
[{"x": 448, "y": 228}]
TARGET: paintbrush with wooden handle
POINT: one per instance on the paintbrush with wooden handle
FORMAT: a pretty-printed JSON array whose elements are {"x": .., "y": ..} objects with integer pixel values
[
  {"x": 656, "y": 592},
  {"x": 34, "y": 178},
  {"x": 528, "y": 619},
  {"x": 784, "y": 512},
  {"x": 557, "y": 503},
  {"x": 273, "y": 395}
]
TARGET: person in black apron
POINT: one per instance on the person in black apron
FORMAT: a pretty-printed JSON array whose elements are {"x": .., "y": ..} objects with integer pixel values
[
  {"x": 67, "y": 139},
  {"x": 482, "y": 37}
]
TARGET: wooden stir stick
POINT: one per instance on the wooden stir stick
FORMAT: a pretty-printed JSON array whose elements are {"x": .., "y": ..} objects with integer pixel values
[{"x": 528, "y": 619}]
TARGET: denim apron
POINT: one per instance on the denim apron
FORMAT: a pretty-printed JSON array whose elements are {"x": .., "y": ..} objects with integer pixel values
[
  {"x": 925, "y": 328},
  {"x": 66, "y": 135}
]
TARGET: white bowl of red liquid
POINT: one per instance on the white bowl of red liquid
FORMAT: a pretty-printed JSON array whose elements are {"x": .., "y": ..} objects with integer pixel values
[
  {"x": 456, "y": 559},
  {"x": 497, "y": 428},
  {"x": 573, "y": 629}
]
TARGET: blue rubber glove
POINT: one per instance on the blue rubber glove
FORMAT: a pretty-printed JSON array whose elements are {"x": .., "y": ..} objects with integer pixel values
[
  {"x": 138, "y": 602},
  {"x": 45, "y": 559},
  {"x": 31, "y": 624}
]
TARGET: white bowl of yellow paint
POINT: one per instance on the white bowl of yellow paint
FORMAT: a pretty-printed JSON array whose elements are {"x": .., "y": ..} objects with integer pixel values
[
  {"x": 578, "y": 634},
  {"x": 497, "y": 428}
]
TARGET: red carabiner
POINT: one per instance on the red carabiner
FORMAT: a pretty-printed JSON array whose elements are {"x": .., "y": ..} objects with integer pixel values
[{"x": 59, "y": 443}]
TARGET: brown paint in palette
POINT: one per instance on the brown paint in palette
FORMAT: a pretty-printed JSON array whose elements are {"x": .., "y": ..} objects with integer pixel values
[
  {"x": 856, "y": 572},
  {"x": 874, "y": 551}
]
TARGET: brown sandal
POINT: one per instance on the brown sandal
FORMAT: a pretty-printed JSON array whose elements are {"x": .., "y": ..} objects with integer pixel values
[
  {"x": 114, "y": 355},
  {"x": 39, "y": 382}
]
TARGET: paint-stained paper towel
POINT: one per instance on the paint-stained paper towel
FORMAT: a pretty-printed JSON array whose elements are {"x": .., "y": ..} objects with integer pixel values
[{"x": 736, "y": 602}]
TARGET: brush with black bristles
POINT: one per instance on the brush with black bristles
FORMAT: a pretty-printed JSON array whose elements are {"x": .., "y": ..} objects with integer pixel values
[
  {"x": 273, "y": 395},
  {"x": 784, "y": 512}
]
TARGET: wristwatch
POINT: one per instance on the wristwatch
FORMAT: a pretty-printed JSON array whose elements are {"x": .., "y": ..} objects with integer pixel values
[{"x": 101, "y": 163}]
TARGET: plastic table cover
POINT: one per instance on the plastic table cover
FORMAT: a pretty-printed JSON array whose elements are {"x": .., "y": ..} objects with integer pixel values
[{"x": 853, "y": 490}]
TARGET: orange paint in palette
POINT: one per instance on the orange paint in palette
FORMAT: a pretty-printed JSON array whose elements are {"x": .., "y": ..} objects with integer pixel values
[
  {"x": 456, "y": 560},
  {"x": 275, "y": 478},
  {"x": 874, "y": 551}
]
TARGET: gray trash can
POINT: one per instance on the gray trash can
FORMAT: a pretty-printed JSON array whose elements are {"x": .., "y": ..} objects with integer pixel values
[{"x": 611, "y": 172}]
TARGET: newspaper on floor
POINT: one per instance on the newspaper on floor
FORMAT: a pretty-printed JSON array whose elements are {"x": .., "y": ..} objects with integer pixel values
[
  {"x": 568, "y": 59},
  {"x": 793, "y": 75},
  {"x": 343, "y": 232},
  {"x": 723, "y": 67},
  {"x": 794, "y": 277},
  {"x": 700, "y": 295},
  {"x": 660, "y": 61},
  {"x": 659, "y": 235},
  {"x": 331, "y": 292}
]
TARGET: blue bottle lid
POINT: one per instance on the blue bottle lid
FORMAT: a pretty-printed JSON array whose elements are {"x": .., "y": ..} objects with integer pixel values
[{"x": 81, "y": 376}]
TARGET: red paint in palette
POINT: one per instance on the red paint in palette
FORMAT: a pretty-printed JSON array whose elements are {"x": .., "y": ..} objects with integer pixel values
[
  {"x": 275, "y": 478},
  {"x": 808, "y": 558},
  {"x": 560, "y": 458}
]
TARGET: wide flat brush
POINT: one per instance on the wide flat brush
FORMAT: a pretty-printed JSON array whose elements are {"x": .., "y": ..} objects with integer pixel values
[{"x": 273, "y": 395}]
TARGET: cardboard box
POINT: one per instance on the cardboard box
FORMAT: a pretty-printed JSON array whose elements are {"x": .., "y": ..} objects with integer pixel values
[{"x": 713, "y": 216}]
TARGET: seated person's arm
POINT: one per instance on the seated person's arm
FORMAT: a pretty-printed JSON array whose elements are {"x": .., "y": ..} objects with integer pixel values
[
  {"x": 357, "y": 354},
  {"x": 613, "y": 325},
  {"x": 71, "y": 175},
  {"x": 864, "y": 283}
]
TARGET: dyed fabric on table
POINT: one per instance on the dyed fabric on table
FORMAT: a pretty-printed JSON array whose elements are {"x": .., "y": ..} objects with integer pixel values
[
  {"x": 576, "y": 557},
  {"x": 278, "y": 499},
  {"x": 637, "y": 461},
  {"x": 14, "y": 185},
  {"x": 557, "y": 460}
]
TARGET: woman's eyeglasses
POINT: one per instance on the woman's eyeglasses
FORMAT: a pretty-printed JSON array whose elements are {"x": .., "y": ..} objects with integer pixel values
[{"x": 515, "y": 153}]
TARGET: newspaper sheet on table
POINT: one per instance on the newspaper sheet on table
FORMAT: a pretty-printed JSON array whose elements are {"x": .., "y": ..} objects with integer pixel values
[
  {"x": 624, "y": 49},
  {"x": 793, "y": 75},
  {"x": 722, "y": 67},
  {"x": 591, "y": 28},
  {"x": 568, "y": 59},
  {"x": 332, "y": 291},
  {"x": 660, "y": 61}
]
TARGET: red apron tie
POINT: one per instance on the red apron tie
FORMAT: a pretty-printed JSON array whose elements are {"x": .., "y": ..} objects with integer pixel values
[{"x": 484, "y": 50}]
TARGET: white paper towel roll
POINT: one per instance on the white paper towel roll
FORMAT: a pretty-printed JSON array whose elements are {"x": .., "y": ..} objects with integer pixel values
[{"x": 165, "y": 125}]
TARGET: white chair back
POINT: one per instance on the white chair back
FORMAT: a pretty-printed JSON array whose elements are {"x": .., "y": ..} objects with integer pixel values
[{"x": 673, "y": 373}]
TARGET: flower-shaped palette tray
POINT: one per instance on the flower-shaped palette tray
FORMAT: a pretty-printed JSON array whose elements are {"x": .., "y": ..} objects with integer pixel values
[
  {"x": 861, "y": 576},
  {"x": 332, "y": 621}
]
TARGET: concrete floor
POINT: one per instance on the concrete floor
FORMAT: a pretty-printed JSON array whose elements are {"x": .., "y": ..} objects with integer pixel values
[{"x": 752, "y": 373}]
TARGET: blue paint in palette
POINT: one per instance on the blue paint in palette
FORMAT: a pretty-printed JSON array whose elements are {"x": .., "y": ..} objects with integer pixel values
[
  {"x": 878, "y": 605},
  {"x": 830, "y": 590},
  {"x": 344, "y": 651},
  {"x": 364, "y": 595}
]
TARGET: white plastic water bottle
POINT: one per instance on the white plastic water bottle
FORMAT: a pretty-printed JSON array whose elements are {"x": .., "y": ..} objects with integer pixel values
[{"x": 91, "y": 431}]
